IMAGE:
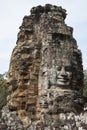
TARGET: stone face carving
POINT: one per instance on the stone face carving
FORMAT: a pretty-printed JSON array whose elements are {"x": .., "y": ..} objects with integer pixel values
[
  {"x": 64, "y": 75},
  {"x": 46, "y": 72},
  {"x": 61, "y": 75}
]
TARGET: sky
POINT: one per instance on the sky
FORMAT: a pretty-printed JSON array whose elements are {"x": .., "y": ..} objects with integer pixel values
[{"x": 13, "y": 11}]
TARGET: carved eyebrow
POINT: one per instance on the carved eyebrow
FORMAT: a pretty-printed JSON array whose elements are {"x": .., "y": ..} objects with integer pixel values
[{"x": 67, "y": 68}]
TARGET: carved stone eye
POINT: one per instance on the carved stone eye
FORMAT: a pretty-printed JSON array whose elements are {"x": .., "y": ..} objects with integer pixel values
[{"x": 59, "y": 68}]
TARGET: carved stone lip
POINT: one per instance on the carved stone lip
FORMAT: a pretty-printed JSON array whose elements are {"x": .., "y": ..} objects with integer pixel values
[{"x": 63, "y": 79}]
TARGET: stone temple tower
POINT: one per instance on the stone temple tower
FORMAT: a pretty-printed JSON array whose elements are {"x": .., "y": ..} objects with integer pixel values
[{"x": 46, "y": 72}]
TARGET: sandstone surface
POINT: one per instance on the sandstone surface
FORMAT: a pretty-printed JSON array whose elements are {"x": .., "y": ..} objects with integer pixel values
[{"x": 46, "y": 73}]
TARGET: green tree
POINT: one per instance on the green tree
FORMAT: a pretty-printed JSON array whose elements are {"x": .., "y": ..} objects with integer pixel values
[
  {"x": 85, "y": 83},
  {"x": 3, "y": 89}
]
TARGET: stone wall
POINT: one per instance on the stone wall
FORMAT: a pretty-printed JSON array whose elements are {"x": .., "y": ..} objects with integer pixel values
[{"x": 46, "y": 72}]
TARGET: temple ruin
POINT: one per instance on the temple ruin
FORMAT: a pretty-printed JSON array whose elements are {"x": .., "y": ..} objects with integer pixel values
[{"x": 46, "y": 73}]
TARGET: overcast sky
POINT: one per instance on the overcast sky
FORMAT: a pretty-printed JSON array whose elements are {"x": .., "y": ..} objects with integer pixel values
[{"x": 13, "y": 11}]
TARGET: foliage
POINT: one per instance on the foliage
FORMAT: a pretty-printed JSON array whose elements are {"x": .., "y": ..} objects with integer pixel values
[
  {"x": 3, "y": 89},
  {"x": 85, "y": 83}
]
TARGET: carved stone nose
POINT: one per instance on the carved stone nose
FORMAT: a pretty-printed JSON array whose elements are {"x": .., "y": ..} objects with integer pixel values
[{"x": 63, "y": 72}]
